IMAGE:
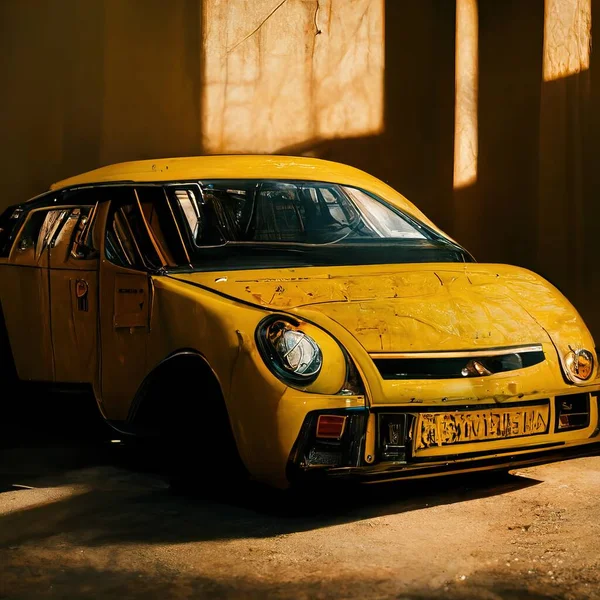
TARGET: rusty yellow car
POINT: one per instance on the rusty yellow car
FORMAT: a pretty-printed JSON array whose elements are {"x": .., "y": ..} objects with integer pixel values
[{"x": 294, "y": 319}]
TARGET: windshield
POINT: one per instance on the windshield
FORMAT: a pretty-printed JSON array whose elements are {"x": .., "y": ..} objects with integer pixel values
[
  {"x": 298, "y": 213},
  {"x": 252, "y": 223}
]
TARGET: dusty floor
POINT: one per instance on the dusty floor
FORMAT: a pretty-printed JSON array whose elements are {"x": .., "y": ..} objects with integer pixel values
[{"x": 93, "y": 521}]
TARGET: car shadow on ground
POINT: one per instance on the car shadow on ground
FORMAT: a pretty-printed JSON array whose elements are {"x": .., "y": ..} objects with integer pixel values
[
  {"x": 48, "y": 580},
  {"x": 110, "y": 492}
]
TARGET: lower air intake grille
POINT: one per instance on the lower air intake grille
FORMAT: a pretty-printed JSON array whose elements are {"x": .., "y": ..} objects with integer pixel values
[{"x": 451, "y": 365}]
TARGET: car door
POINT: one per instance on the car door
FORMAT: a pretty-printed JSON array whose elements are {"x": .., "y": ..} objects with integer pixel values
[
  {"x": 139, "y": 239},
  {"x": 25, "y": 295},
  {"x": 73, "y": 281}
]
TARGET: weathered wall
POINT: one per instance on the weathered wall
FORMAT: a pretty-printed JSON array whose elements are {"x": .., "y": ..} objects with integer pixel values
[
  {"x": 86, "y": 83},
  {"x": 367, "y": 82},
  {"x": 284, "y": 72}
]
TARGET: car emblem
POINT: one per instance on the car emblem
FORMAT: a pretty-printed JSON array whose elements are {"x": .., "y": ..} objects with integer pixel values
[{"x": 474, "y": 368}]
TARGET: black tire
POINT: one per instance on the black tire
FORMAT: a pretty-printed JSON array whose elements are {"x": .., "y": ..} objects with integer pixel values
[
  {"x": 197, "y": 449},
  {"x": 8, "y": 372},
  {"x": 10, "y": 405}
]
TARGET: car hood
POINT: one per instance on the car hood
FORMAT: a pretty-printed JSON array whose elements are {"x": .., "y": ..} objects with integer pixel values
[{"x": 411, "y": 308}]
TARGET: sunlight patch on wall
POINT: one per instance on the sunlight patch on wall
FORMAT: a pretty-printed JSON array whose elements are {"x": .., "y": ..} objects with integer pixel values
[
  {"x": 465, "y": 114},
  {"x": 279, "y": 73},
  {"x": 567, "y": 37}
]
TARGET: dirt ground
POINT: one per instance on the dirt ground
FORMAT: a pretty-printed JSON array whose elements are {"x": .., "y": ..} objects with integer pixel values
[{"x": 81, "y": 517}]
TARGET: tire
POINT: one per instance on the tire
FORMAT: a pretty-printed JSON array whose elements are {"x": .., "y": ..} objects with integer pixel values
[
  {"x": 197, "y": 448},
  {"x": 11, "y": 404},
  {"x": 8, "y": 372}
]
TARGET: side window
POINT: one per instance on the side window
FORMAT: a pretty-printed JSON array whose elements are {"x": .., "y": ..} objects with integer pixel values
[
  {"x": 201, "y": 214},
  {"x": 67, "y": 244},
  {"x": 10, "y": 221},
  {"x": 127, "y": 242},
  {"x": 188, "y": 202},
  {"x": 141, "y": 232},
  {"x": 160, "y": 220},
  {"x": 82, "y": 245},
  {"x": 39, "y": 229}
]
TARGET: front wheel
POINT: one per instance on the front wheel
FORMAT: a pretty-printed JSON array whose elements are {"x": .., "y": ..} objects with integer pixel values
[{"x": 200, "y": 451}]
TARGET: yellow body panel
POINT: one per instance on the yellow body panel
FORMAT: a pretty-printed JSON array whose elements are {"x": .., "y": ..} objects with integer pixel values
[
  {"x": 26, "y": 307},
  {"x": 369, "y": 311},
  {"x": 267, "y": 416}
]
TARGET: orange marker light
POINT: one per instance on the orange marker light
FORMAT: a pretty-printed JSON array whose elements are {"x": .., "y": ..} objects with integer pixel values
[{"x": 330, "y": 426}]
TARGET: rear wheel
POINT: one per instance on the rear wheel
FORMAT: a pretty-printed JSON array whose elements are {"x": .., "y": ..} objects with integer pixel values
[
  {"x": 8, "y": 372},
  {"x": 11, "y": 403}
]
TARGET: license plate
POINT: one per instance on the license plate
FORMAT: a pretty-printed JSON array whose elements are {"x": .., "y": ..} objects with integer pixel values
[{"x": 445, "y": 429}]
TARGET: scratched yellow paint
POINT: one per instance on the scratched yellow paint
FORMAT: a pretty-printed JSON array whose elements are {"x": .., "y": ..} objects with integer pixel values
[{"x": 364, "y": 309}]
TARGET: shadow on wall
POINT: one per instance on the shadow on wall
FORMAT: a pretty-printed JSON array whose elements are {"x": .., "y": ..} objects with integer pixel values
[{"x": 92, "y": 83}]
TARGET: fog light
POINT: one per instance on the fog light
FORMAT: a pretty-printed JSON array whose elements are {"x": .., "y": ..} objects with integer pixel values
[
  {"x": 330, "y": 426},
  {"x": 572, "y": 411}
]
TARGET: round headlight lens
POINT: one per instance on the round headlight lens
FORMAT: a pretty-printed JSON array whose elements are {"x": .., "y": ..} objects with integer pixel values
[
  {"x": 293, "y": 353},
  {"x": 580, "y": 364},
  {"x": 299, "y": 353}
]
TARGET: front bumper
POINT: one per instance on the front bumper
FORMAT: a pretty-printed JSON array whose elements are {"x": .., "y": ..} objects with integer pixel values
[{"x": 365, "y": 453}]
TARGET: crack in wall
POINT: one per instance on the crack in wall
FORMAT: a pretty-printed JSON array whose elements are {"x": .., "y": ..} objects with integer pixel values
[{"x": 258, "y": 27}]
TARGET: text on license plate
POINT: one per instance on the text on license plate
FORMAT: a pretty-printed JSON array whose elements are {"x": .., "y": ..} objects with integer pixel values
[{"x": 443, "y": 429}]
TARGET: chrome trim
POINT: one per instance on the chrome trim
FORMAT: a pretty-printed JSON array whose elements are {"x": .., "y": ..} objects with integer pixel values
[{"x": 460, "y": 353}]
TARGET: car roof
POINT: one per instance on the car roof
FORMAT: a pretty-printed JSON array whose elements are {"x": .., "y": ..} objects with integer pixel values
[
  {"x": 241, "y": 167},
  {"x": 220, "y": 167}
]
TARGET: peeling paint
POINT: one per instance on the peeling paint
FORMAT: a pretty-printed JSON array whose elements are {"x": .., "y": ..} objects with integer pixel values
[{"x": 420, "y": 307}]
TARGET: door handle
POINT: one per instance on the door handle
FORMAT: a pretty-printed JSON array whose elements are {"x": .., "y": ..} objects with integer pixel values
[{"x": 81, "y": 292}]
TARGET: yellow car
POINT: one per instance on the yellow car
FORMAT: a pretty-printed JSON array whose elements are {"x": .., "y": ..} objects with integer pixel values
[{"x": 294, "y": 315}]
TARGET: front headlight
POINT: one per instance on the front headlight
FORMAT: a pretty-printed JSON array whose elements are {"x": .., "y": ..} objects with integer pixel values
[
  {"x": 579, "y": 365},
  {"x": 294, "y": 353},
  {"x": 305, "y": 357}
]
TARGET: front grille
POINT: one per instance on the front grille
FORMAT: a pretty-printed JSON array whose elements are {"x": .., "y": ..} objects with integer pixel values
[
  {"x": 456, "y": 365},
  {"x": 572, "y": 412}
]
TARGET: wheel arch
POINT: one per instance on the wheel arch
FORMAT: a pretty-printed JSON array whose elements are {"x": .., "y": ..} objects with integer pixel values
[{"x": 146, "y": 408}]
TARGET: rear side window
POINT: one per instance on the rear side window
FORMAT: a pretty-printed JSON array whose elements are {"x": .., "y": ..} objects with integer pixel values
[
  {"x": 82, "y": 245},
  {"x": 10, "y": 221},
  {"x": 36, "y": 234}
]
